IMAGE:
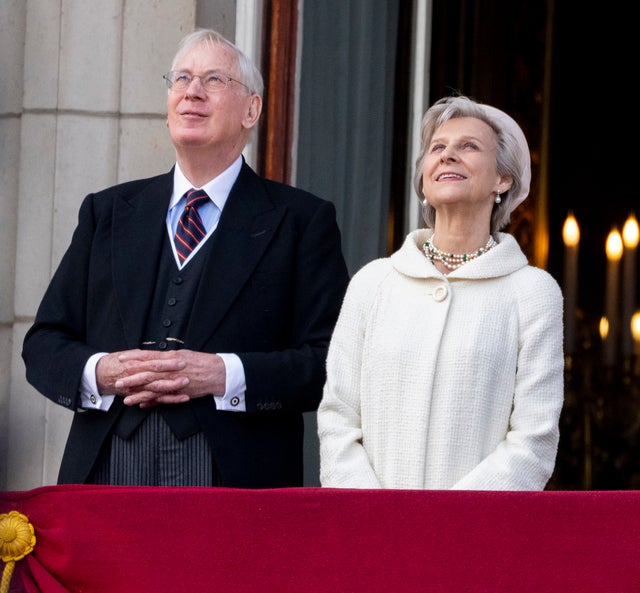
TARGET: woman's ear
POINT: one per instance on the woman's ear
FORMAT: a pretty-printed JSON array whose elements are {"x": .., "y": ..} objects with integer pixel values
[{"x": 505, "y": 182}]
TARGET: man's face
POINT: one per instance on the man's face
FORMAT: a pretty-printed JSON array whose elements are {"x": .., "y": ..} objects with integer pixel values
[{"x": 218, "y": 120}]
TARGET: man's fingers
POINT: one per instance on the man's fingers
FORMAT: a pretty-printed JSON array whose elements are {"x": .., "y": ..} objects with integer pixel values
[
  {"x": 148, "y": 399},
  {"x": 151, "y": 382},
  {"x": 155, "y": 365}
]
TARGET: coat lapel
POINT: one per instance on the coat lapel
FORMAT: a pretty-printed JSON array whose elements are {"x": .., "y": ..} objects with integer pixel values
[
  {"x": 247, "y": 226},
  {"x": 139, "y": 229}
]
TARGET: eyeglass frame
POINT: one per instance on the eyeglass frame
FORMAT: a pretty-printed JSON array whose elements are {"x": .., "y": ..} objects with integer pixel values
[{"x": 169, "y": 80}]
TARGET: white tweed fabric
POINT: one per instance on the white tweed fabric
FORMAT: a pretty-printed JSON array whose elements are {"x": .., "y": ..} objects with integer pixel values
[{"x": 444, "y": 381}]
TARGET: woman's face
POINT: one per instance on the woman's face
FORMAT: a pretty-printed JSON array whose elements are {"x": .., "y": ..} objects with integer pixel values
[{"x": 460, "y": 164}]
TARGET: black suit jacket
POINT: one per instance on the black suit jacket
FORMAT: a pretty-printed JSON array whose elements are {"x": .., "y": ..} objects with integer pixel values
[{"x": 272, "y": 288}]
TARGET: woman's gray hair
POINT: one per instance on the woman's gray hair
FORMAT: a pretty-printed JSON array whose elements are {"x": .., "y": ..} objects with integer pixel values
[
  {"x": 248, "y": 72},
  {"x": 512, "y": 155}
]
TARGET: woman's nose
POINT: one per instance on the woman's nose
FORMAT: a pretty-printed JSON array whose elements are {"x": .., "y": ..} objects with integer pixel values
[{"x": 447, "y": 155}]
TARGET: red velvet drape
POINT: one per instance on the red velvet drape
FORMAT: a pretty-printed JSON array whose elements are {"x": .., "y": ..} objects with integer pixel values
[{"x": 311, "y": 540}]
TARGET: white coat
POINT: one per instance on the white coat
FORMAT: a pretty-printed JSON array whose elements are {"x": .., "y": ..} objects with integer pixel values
[{"x": 444, "y": 381}]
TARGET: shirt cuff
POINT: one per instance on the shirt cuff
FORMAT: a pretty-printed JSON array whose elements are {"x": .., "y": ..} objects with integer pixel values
[
  {"x": 234, "y": 398},
  {"x": 90, "y": 399}
]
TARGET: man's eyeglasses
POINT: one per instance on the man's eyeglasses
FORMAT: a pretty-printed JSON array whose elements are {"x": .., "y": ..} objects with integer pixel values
[{"x": 179, "y": 80}]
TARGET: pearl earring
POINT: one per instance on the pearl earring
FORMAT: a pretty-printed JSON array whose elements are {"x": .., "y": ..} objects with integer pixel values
[{"x": 498, "y": 199}]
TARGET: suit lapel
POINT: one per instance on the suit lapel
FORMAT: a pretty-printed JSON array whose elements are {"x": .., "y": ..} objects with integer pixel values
[
  {"x": 247, "y": 226},
  {"x": 139, "y": 229}
]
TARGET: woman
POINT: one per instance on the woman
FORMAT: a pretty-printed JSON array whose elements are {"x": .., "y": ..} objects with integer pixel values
[{"x": 445, "y": 369}]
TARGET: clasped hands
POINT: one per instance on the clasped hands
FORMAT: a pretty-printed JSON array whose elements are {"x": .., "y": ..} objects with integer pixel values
[{"x": 147, "y": 377}]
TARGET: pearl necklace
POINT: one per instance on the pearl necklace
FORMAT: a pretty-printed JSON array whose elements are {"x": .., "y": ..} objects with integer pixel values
[{"x": 454, "y": 260}]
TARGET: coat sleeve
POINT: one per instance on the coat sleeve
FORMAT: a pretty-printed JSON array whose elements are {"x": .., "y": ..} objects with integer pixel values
[
  {"x": 344, "y": 462},
  {"x": 525, "y": 458},
  {"x": 54, "y": 348},
  {"x": 290, "y": 377}
]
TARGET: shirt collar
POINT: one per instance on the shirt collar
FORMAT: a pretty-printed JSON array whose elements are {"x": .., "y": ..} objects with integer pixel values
[{"x": 217, "y": 189}]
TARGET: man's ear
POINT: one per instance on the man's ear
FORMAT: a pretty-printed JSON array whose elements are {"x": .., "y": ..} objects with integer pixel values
[{"x": 253, "y": 112}]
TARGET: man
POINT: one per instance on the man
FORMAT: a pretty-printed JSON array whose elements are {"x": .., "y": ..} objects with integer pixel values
[{"x": 186, "y": 362}]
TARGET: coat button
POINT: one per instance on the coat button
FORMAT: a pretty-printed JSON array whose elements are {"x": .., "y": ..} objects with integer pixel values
[{"x": 440, "y": 293}]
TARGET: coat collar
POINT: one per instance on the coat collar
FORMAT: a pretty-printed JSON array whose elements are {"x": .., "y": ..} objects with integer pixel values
[{"x": 503, "y": 259}]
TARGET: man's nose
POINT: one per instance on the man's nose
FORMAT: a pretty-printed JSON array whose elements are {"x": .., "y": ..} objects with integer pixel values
[{"x": 195, "y": 88}]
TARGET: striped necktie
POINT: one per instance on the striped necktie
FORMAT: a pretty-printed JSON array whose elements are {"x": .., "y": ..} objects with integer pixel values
[{"x": 190, "y": 229}]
